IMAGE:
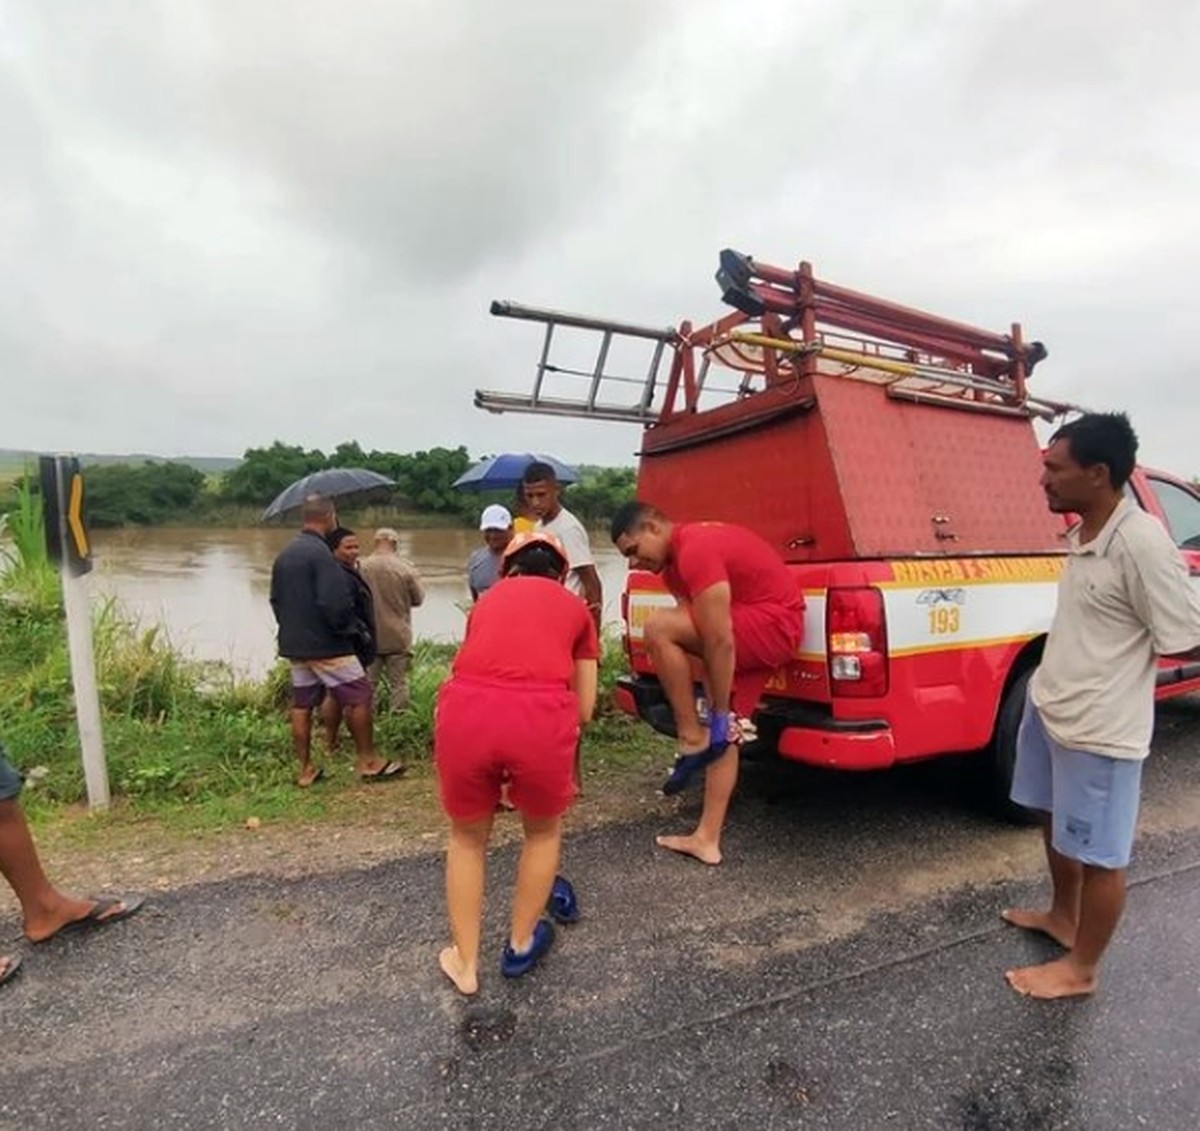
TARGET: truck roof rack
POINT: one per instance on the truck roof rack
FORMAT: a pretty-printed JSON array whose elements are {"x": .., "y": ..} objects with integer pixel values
[{"x": 786, "y": 326}]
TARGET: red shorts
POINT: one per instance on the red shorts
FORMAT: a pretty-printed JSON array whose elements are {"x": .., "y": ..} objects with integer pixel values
[
  {"x": 765, "y": 637},
  {"x": 488, "y": 730}
]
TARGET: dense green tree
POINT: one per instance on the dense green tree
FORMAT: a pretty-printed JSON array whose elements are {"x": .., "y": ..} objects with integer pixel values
[
  {"x": 264, "y": 472},
  {"x": 600, "y": 491},
  {"x": 146, "y": 494}
]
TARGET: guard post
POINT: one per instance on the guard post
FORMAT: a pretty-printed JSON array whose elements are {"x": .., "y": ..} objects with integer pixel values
[{"x": 69, "y": 547}]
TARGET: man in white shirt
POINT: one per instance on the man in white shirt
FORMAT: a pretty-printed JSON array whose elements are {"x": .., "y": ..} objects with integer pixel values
[
  {"x": 541, "y": 494},
  {"x": 1124, "y": 599}
]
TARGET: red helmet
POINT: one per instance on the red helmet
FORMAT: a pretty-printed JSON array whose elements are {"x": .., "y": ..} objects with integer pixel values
[{"x": 527, "y": 538}]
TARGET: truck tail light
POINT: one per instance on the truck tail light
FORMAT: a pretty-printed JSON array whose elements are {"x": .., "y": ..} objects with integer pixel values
[{"x": 856, "y": 642}]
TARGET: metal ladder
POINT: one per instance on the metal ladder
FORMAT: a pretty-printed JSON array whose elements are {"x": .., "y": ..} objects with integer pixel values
[{"x": 598, "y": 401}]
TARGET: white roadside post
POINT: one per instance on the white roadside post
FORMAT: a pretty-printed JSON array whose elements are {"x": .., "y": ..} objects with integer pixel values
[{"x": 68, "y": 542}]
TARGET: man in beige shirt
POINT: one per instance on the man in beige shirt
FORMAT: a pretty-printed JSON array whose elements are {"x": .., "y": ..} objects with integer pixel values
[
  {"x": 1124, "y": 600},
  {"x": 395, "y": 590}
]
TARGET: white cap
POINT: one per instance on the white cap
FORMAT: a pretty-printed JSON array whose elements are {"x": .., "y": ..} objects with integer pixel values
[{"x": 495, "y": 517}]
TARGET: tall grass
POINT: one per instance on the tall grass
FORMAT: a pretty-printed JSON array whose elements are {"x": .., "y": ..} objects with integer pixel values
[{"x": 179, "y": 734}]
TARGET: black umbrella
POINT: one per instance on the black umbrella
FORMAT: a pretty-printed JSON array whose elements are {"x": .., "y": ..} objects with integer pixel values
[{"x": 333, "y": 482}]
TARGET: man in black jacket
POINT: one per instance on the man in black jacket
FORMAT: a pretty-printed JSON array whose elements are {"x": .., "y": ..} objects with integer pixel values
[{"x": 313, "y": 603}]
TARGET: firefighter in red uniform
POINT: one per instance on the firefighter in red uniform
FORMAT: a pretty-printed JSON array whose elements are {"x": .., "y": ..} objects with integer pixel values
[
  {"x": 523, "y": 683},
  {"x": 741, "y": 614}
]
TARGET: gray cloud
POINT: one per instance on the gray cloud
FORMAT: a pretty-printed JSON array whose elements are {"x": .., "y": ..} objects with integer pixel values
[{"x": 264, "y": 219}]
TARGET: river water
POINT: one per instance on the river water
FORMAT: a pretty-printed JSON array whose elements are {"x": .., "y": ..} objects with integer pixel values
[{"x": 208, "y": 587}]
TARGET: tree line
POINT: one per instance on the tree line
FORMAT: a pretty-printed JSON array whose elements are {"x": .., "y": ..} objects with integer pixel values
[{"x": 153, "y": 493}]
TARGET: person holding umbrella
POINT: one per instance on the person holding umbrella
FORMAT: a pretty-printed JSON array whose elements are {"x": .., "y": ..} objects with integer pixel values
[{"x": 313, "y": 603}]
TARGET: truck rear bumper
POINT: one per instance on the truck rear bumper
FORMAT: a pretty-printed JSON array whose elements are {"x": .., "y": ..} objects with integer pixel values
[
  {"x": 839, "y": 748},
  {"x": 800, "y": 732}
]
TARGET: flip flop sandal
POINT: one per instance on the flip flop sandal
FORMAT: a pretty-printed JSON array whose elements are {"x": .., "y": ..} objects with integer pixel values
[
  {"x": 12, "y": 967},
  {"x": 687, "y": 766},
  {"x": 562, "y": 905},
  {"x": 389, "y": 771},
  {"x": 514, "y": 965},
  {"x": 318, "y": 776},
  {"x": 104, "y": 912}
]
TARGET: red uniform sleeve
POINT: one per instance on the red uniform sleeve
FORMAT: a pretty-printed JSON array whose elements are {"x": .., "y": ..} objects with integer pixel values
[{"x": 587, "y": 642}]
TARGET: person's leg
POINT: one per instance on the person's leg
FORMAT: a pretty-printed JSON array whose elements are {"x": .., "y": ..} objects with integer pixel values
[
  {"x": 705, "y": 842},
  {"x": 535, "y": 877},
  {"x": 1034, "y": 788},
  {"x": 1094, "y": 822},
  {"x": 331, "y": 721},
  {"x": 307, "y": 693},
  {"x": 302, "y": 744},
  {"x": 44, "y": 908},
  {"x": 1061, "y": 920},
  {"x": 671, "y": 640},
  {"x": 466, "y": 865},
  {"x": 397, "y": 673}
]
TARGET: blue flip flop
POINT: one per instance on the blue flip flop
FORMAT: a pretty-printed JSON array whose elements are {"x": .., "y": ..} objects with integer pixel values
[
  {"x": 562, "y": 905},
  {"x": 514, "y": 965},
  {"x": 687, "y": 766}
]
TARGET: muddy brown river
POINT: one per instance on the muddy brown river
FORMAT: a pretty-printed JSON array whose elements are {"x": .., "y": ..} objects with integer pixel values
[{"x": 208, "y": 587}]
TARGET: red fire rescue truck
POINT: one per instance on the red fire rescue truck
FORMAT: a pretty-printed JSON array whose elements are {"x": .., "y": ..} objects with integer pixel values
[{"x": 890, "y": 456}]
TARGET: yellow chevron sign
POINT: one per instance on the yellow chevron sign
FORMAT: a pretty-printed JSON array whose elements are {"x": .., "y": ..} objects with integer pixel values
[{"x": 75, "y": 517}]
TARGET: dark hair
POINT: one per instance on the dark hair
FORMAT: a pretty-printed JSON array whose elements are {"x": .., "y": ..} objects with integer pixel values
[
  {"x": 1102, "y": 437},
  {"x": 538, "y": 472},
  {"x": 630, "y": 516},
  {"x": 338, "y": 535},
  {"x": 535, "y": 560}
]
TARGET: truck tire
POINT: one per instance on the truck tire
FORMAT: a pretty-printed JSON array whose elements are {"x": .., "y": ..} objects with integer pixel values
[{"x": 1000, "y": 758}]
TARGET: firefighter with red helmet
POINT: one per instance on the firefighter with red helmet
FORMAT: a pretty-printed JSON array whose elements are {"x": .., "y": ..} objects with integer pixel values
[{"x": 522, "y": 685}]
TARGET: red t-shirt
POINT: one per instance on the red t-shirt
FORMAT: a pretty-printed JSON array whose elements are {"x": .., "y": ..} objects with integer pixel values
[
  {"x": 527, "y": 629},
  {"x": 706, "y": 553}
]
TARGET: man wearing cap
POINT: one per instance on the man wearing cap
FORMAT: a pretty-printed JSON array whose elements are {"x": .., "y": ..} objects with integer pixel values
[
  {"x": 396, "y": 590},
  {"x": 483, "y": 566}
]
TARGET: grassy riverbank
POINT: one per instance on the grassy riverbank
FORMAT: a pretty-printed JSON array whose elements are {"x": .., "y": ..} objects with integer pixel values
[{"x": 192, "y": 748}]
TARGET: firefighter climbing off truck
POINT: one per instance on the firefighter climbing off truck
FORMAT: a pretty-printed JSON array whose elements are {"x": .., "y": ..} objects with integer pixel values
[{"x": 890, "y": 457}]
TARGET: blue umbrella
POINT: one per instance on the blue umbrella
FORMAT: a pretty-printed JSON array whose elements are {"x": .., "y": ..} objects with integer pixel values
[
  {"x": 332, "y": 482},
  {"x": 503, "y": 472}
]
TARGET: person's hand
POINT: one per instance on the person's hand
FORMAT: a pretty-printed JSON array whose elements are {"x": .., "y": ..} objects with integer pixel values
[{"x": 720, "y": 728}]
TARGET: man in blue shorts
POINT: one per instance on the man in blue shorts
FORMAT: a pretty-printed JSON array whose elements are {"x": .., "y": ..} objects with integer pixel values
[
  {"x": 46, "y": 912},
  {"x": 1124, "y": 599}
]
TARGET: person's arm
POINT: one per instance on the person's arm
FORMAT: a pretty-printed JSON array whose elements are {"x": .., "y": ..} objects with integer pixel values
[
  {"x": 416, "y": 591},
  {"x": 1167, "y": 600},
  {"x": 584, "y": 683},
  {"x": 593, "y": 593},
  {"x": 712, "y": 612},
  {"x": 335, "y": 594},
  {"x": 275, "y": 594}
]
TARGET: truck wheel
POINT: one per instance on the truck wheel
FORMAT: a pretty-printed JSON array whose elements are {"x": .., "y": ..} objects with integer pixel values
[{"x": 1000, "y": 758}]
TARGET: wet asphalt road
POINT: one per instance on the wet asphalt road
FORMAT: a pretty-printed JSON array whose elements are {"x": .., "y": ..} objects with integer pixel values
[{"x": 841, "y": 970}]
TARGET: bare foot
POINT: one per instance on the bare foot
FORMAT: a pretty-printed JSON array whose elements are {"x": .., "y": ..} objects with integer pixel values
[
  {"x": 691, "y": 846},
  {"x": 1060, "y": 929},
  {"x": 1060, "y": 978},
  {"x": 465, "y": 981}
]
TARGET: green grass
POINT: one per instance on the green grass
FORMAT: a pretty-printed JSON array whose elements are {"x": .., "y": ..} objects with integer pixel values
[{"x": 187, "y": 743}]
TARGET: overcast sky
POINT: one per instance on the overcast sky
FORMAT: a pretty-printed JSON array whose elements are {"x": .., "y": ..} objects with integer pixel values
[{"x": 251, "y": 220}]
